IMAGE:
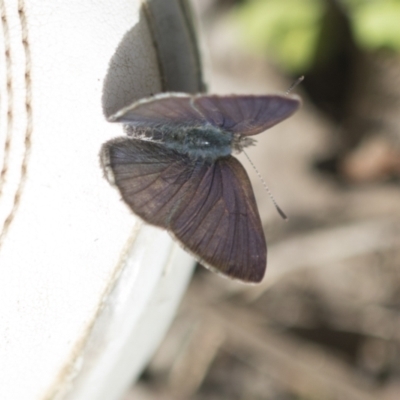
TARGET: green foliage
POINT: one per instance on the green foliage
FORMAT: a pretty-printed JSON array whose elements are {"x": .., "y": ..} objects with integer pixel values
[
  {"x": 376, "y": 23},
  {"x": 287, "y": 29},
  {"x": 290, "y": 30}
]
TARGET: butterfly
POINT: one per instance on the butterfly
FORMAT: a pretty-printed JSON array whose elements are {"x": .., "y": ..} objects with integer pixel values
[{"x": 175, "y": 170}]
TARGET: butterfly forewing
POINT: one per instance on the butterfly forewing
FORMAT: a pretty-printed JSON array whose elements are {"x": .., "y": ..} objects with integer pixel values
[
  {"x": 220, "y": 222},
  {"x": 246, "y": 115},
  {"x": 209, "y": 207}
]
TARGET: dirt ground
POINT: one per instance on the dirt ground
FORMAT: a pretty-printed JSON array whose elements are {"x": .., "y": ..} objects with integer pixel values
[{"x": 324, "y": 324}]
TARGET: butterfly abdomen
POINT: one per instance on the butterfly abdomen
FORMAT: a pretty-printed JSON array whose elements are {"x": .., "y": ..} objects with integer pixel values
[{"x": 198, "y": 142}]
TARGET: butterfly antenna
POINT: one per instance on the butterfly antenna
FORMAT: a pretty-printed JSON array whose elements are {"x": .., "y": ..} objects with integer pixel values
[
  {"x": 280, "y": 211},
  {"x": 295, "y": 83}
]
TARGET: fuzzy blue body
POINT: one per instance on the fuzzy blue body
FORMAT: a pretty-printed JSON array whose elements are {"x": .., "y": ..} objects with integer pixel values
[{"x": 197, "y": 142}]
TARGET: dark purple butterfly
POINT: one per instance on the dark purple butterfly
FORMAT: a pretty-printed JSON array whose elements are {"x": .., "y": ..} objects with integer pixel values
[{"x": 175, "y": 171}]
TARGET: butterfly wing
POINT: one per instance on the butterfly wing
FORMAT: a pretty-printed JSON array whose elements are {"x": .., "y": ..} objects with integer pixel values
[
  {"x": 152, "y": 180},
  {"x": 209, "y": 207},
  {"x": 220, "y": 222},
  {"x": 173, "y": 109},
  {"x": 246, "y": 115}
]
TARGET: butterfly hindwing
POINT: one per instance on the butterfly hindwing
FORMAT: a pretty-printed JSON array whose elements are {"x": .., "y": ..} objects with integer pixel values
[
  {"x": 151, "y": 179},
  {"x": 209, "y": 207},
  {"x": 174, "y": 109}
]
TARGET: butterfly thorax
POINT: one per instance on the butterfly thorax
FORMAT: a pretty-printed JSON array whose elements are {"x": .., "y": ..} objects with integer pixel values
[{"x": 206, "y": 142}]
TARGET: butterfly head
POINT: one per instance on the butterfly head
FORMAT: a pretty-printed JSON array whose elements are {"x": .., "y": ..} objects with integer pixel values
[{"x": 239, "y": 142}]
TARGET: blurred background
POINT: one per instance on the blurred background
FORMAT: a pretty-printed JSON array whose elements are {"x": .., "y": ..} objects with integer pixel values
[{"x": 324, "y": 323}]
